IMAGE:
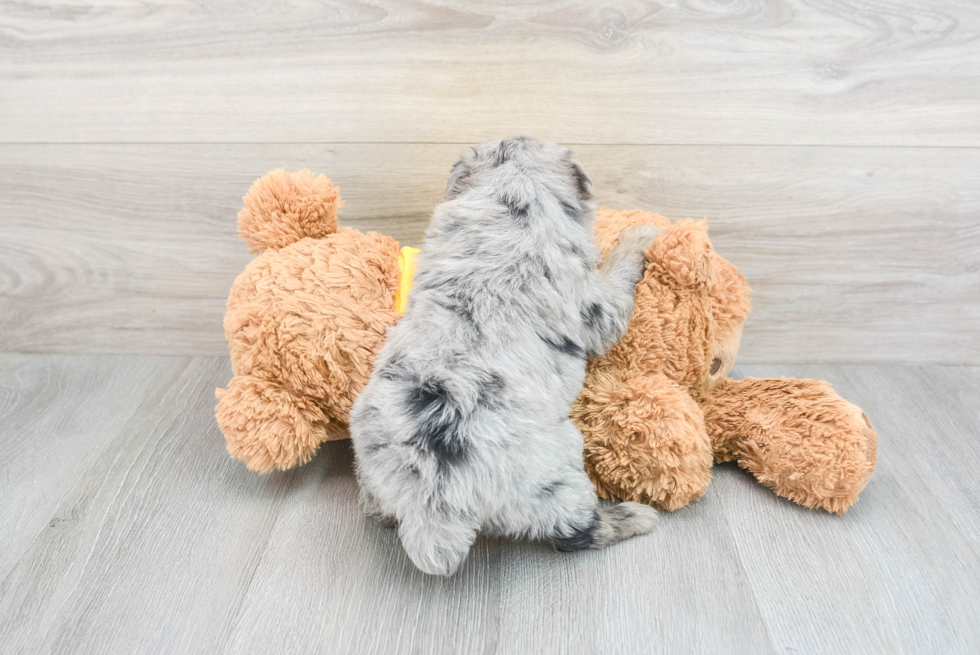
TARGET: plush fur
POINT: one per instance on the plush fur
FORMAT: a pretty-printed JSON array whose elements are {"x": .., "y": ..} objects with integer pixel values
[
  {"x": 798, "y": 437},
  {"x": 307, "y": 317},
  {"x": 464, "y": 425},
  {"x": 658, "y": 408},
  {"x": 304, "y": 322}
]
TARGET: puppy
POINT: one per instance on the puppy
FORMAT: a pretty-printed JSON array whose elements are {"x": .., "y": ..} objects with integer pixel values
[{"x": 464, "y": 425}]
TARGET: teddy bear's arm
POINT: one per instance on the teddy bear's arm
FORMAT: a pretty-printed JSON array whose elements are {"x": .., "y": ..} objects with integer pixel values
[{"x": 798, "y": 437}]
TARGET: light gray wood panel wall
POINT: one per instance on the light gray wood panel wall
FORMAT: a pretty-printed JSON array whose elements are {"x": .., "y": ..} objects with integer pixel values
[
  {"x": 855, "y": 254},
  {"x": 157, "y": 541},
  {"x": 861, "y": 249},
  {"x": 622, "y": 71}
]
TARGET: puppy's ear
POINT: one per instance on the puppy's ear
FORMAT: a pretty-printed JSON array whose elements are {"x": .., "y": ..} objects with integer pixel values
[
  {"x": 503, "y": 152},
  {"x": 582, "y": 181},
  {"x": 459, "y": 179},
  {"x": 508, "y": 149}
]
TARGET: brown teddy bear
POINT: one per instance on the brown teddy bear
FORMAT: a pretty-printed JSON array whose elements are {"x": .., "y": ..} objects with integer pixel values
[
  {"x": 304, "y": 322},
  {"x": 658, "y": 407},
  {"x": 306, "y": 318}
]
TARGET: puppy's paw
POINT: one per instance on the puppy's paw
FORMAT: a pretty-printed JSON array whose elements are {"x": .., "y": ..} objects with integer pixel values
[
  {"x": 385, "y": 521},
  {"x": 638, "y": 239},
  {"x": 628, "y": 259},
  {"x": 372, "y": 509}
]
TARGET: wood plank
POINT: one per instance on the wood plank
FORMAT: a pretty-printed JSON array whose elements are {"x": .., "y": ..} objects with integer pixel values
[
  {"x": 681, "y": 589},
  {"x": 337, "y": 568},
  {"x": 855, "y": 254},
  {"x": 900, "y": 572},
  {"x": 516, "y": 597},
  {"x": 767, "y": 72},
  {"x": 60, "y": 416},
  {"x": 163, "y": 537},
  {"x": 172, "y": 546},
  {"x": 290, "y": 563}
]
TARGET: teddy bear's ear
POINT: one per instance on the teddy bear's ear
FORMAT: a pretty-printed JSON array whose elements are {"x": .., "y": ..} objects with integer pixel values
[
  {"x": 281, "y": 208},
  {"x": 683, "y": 254}
]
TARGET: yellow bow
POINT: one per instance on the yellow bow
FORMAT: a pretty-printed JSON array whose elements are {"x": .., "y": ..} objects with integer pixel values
[{"x": 406, "y": 264}]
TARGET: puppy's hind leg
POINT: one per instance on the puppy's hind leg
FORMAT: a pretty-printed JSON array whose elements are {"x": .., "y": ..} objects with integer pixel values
[
  {"x": 567, "y": 502},
  {"x": 436, "y": 540},
  {"x": 371, "y": 507}
]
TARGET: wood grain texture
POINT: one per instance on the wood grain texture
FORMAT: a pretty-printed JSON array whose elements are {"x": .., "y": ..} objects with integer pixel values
[
  {"x": 833, "y": 147},
  {"x": 59, "y": 417},
  {"x": 855, "y": 254},
  {"x": 898, "y": 573},
  {"x": 161, "y": 543},
  {"x": 158, "y": 530},
  {"x": 622, "y": 71}
]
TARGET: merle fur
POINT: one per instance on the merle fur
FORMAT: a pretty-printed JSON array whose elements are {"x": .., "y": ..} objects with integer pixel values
[{"x": 464, "y": 425}]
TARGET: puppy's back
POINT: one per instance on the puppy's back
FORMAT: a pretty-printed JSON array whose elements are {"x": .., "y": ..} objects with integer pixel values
[{"x": 467, "y": 409}]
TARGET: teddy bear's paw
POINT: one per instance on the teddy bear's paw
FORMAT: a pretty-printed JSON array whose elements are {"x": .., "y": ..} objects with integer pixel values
[{"x": 266, "y": 426}]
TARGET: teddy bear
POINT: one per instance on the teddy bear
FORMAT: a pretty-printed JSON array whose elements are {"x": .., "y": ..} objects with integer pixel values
[
  {"x": 307, "y": 316},
  {"x": 658, "y": 408},
  {"x": 304, "y": 321}
]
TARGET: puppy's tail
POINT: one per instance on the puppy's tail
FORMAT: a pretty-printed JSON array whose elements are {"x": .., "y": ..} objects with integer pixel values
[
  {"x": 436, "y": 541},
  {"x": 609, "y": 525}
]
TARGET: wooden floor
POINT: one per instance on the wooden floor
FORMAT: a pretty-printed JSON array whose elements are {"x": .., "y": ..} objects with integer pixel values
[
  {"x": 127, "y": 528},
  {"x": 833, "y": 145}
]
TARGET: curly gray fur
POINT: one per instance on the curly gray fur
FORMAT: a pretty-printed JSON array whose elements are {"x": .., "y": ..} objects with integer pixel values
[{"x": 464, "y": 425}]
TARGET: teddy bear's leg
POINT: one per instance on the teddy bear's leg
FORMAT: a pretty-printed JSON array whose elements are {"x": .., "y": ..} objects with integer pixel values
[
  {"x": 267, "y": 426},
  {"x": 645, "y": 439},
  {"x": 798, "y": 437}
]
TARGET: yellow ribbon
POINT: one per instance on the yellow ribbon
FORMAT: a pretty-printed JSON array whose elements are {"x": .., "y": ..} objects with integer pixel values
[{"x": 406, "y": 265}]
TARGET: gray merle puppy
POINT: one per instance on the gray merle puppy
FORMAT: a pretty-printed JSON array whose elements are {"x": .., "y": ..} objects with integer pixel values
[{"x": 464, "y": 425}]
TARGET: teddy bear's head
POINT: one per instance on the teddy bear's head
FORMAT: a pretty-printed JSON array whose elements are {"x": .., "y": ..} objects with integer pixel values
[{"x": 690, "y": 305}]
